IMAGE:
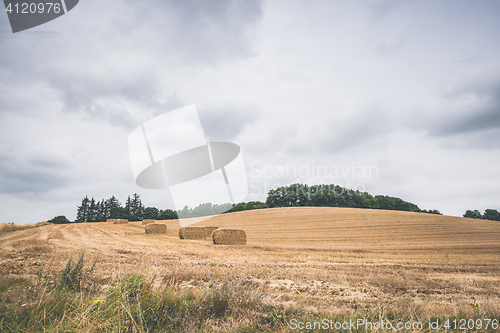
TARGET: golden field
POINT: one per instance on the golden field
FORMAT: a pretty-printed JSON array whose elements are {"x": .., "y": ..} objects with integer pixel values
[{"x": 326, "y": 260}]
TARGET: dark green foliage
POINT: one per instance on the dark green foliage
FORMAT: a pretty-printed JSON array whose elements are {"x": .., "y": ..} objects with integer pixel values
[
  {"x": 247, "y": 206},
  {"x": 61, "y": 219},
  {"x": 72, "y": 274},
  {"x": 473, "y": 214},
  {"x": 113, "y": 208},
  {"x": 82, "y": 214},
  {"x": 431, "y": 211},
  {"x": 120, "y": 213},
  {"x": 135, "y": 207},
  {"x": 335, "y": 196},
  {"x": 489, "y": 214},
  {"x": 151, "y": 213},
  {"x": 99, "y": 211},
  {"x": 168, "y": 214}
]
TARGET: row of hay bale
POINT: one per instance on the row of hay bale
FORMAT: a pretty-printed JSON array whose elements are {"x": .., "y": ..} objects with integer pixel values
[
  {"x": 229, "y": 237},
  {"x": 153, "y": 228},
  {"x": 118, "y": 221},
  {"x": 195, "y": 232},
  {"x": 219, "y": 236}
]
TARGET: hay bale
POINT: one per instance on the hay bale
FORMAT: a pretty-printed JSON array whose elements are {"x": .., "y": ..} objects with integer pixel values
[
  {"x": 118, "y": 221},
  {"x": 147, "y": 221},
  {"x": 192, "y": 233},
  {"x": 210, "y": 230},
  {"x": 229, "y": 237},
  {"x": 153, "y": 228}
]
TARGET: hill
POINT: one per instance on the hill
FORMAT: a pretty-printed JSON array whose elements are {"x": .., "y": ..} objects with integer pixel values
[{"x": 354, "y": 229}]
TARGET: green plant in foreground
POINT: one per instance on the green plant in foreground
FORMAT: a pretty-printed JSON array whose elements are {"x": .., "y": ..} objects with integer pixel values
[{"x": 72, "y": 274}]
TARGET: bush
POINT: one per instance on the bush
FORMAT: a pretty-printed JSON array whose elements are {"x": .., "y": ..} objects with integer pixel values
[
  {"x": 473, "y": 214},
  {"x": 72, "y": 275},
  {"x": 491, "y": 214},
  {"x": 61, "y": 219}
]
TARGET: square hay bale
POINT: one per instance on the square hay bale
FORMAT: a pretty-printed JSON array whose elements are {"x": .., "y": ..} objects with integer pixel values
[
  {"x": 118, "y": 221},
  {"x": 153, "y": 228},
  {"x": 229, "y": 237},
  {"x": 210, "y": 230},
  {"x": 147, "y": 221},
  {"x": 192, "y": 233}
]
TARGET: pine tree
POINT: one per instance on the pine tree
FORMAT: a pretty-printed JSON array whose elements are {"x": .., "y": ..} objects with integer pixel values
[
  {"x": 92, "y": 211},
  {"x": 83, "y": 210},
  {"x": 112, "y": 206},
  {"x": 135, "y": 207}
]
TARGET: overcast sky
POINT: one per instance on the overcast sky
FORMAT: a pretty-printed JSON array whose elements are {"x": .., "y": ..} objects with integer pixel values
[{"x": 408, "y": 90}]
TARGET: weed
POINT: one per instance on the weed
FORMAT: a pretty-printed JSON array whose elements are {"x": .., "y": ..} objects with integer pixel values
[{"x": 72, "y": 274}]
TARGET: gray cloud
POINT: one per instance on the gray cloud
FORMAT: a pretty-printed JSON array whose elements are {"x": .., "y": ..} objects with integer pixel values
[
  {"x": 224, "y": 124},
  {"x": 334, "y": 83},
  {"x": 360, "y": 128},
  {"x": 32, "y": 175},
  {"x": 119, "y": 61},
  {"x": 379, "y": 11},
  {"x": 195, "y": 31},
  {"x": 475, "y": 114}
]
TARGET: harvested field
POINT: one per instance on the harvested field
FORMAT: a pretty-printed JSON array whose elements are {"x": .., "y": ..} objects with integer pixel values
[
  {"x": 147, "y": 221},
  {"x": 327, "y": 260},
  {"x": 156, "y": 229},
  {"x": 229, "y": 237},
  {"x": 192, "y": 233}
]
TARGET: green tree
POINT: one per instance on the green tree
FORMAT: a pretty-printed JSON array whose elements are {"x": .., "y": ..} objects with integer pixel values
[
  {"x": 135, "y": 207},
  {"x": 151, "y": 213},
  {"x": 101, "y": 211},
  {"x": 204, "y": 209},
  {"x": 61, "y": 219},
  {"x": 92, "y": 215},
  {"x": 491, "y": 214},
  {"x": 83, "y": 211},
  {"x": 120, "y": 213},
  {"x": 112, "y": 206},
  {"x": 168, "y": 214},
  {"x": 473, "y": 214},
  {"x": 185, "y": 212}
]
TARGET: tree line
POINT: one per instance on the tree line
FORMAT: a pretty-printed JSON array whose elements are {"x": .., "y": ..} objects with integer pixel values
[
  {"x": 335, "y": 196},
  {"x": 489, "y": 214},
  {"x": 91, "y": 210},
  {"x": 294, "y": 195}
]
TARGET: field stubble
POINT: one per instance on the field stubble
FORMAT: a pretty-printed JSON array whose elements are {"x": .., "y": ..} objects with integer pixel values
[{"x": 330, "y": 261}]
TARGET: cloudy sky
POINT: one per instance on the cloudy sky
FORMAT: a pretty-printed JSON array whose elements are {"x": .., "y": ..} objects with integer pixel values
[{"x": 399, "y": 98}]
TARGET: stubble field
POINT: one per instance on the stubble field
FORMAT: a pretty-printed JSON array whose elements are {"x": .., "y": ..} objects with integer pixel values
[{"x": 330, "y": 261}]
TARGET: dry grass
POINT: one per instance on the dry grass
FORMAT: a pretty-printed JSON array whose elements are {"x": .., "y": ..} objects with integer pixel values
[
  {"x": 326, "y": 260},
  {"x": 8, "y": 227}
]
